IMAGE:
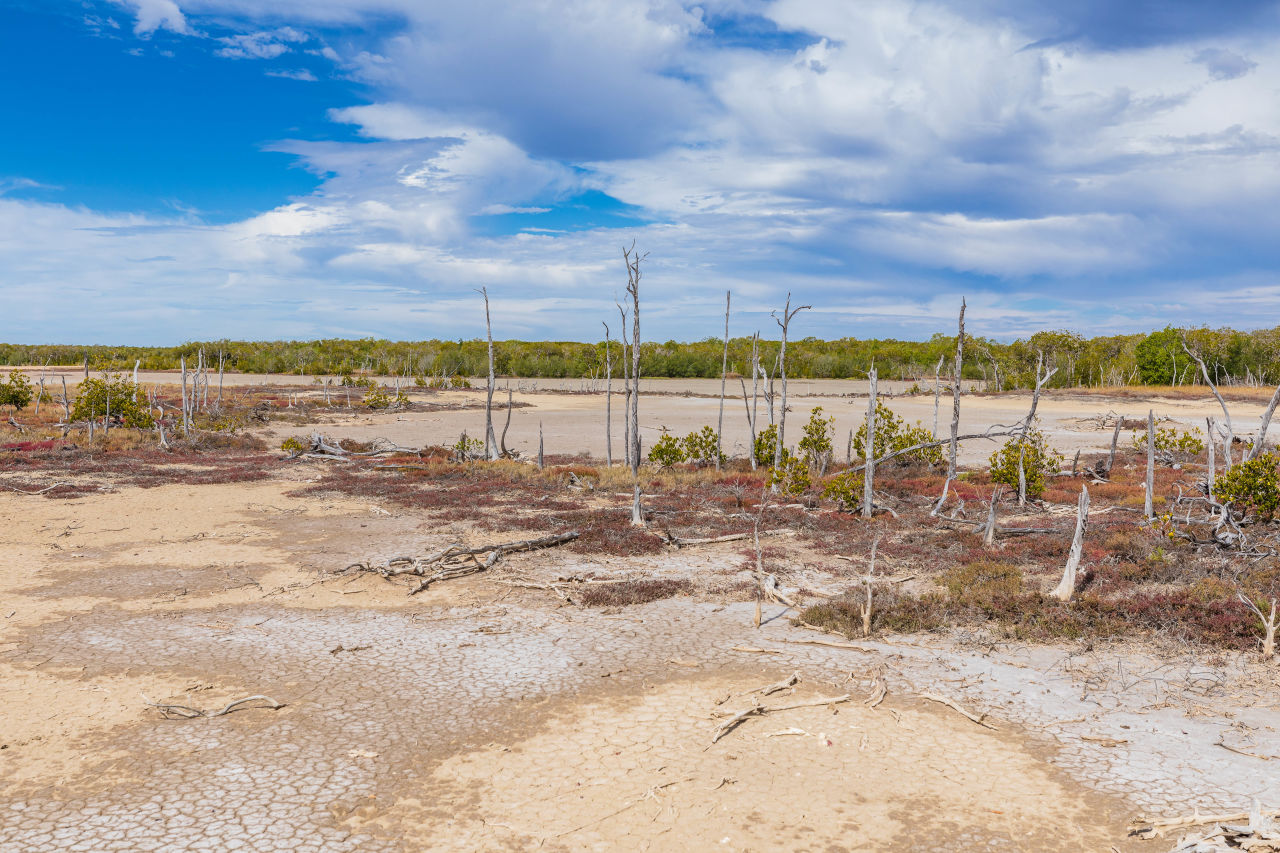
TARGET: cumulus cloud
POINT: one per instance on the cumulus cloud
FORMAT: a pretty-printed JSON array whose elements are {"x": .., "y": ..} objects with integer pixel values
[
  {"x": 152, "y": 15},
  {"x": 1224, "y": 64},
  {"x": 267, "y": 44},
  {"x": 1063, "y": 165}
]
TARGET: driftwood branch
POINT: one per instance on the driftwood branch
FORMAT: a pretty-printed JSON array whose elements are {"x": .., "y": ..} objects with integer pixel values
[
  {"x": 950, "y": 703},
  {"x": 184, "y": 712},
  {"x": 759, "y": 710},
  {"x": 457, "y": 560}
]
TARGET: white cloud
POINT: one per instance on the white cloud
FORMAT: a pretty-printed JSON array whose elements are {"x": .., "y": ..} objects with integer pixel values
[
  {"x": 267, "y": 44},
  {"x": 294, "y": 74},
  {"x": 152, "y": 15}
]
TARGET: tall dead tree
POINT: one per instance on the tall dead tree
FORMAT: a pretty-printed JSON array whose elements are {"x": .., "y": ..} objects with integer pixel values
[
  {"x": 785, "y": 324},
  {"x": 869, "y": 449},
  {"x": 1148, "y": 502},
  {"x": 754, "y": 412},
  {"x": 1261, "y": 441},
  {"x": 626, "y": 391},
  {"x": 632, "y": 259},
  {"x": 724, "y": 373},
  {"x": 608, "y": 399},
  {"x": 1026, "y": 426},
  {"x": 490, "y": 443},
  {"x": 1229, "y": 438},
  {"x": 955, "y": 414},
  {"x": 1115, "y": 437},
  {"x": 937, "y": 390},
  {"x": 1066, "y": 587},
  {"x": 186, "y": 410}
]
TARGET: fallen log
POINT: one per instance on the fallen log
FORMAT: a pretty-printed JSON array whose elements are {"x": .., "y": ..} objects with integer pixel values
[
  {"x": 457, "y": 560},
  {"x": 732, "y": 537}
]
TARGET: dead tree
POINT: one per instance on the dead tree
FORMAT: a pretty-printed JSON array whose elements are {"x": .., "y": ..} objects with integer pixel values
[
  {"x": 490, "y": 445},
  {"x": 1026, "y": 427},
  {"x": 1261, "y": 441},
  {"x": 632, "y": 259},
  {"x": 785, "y": 323},
  {"x": 869, "y": 452},
  {"x": 626, "y": 393},
  {"x": 1066, "y": 588},
  {"x": 1212, "y": 473},
  {"x": 541, "y": 463},
  {"x": 186, "y": 411},
  {"x": 608, "y": 400},
  {"x": 1115, "y": 437},
  {"x": 724, "y": 372},
  {"x": 1148, "y": 509},
  {"x": 1226, "y": 414},
  {"x": 955, "y": 414},
  {"x": 1268, "y": 626},
  {"x": 989, "y": 531},
  {"x": 937, "y": 391}
]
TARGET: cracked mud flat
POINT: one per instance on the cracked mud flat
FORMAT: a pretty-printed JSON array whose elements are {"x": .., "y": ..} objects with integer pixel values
[{"x": 477, "y": 717}]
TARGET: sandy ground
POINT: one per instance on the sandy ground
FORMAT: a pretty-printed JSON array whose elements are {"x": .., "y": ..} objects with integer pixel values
[
  {"x": 575, "y": 423},
  {"x": 478, "y": 716}
]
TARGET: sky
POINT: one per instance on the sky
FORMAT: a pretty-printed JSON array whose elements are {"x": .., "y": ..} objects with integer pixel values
[{"x": 176, "y": 170}]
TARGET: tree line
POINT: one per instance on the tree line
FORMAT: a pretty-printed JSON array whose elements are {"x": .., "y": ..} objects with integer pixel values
[{"x": 1232, "y": 358}]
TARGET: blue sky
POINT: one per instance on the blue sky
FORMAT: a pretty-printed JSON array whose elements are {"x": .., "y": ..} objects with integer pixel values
[{"x": 182, "y": 169}]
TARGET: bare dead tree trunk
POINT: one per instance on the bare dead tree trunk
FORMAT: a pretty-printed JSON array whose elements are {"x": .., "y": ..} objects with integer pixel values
[
  {"x": 1066, "y": 588},
  {"x": 136, "y": 364},
  {"x": 1261, "y": 441},
  {"x": 937, "y": 391},
  {"x": 66, "y": 403},
  {"x": 490, "y": 445},
  {"x": 608, "y": 400},
  {"x": 502, "y": 442},
  {"x": 754, "y": 418},
  {"x": 869, "y": 452},
  {"x": 86, "y": 366},
  {"x": 724, "y": 371},
  {"x": 626, "y": 395},
  {"x": 1204, "y": 371},
  {"x": 1212, "y": 473},
  {"x": 221, "y": 364},
  {"x": 785, "y": 323},
  {"x": 1269, "y": 625},
  {"x": 1148, "y": 502},
  {"x": 989, "y": 534},
  {"x": 848, "y": 450},
  {"x": 186, "y": 417},
  {"x": 1115, "y": 437},
  {"x": 633, "y": 259},
  {"x": 955, "y": 414},
  {"x": 1026, "y": 427},
  {"x": 540, "y": 458}
]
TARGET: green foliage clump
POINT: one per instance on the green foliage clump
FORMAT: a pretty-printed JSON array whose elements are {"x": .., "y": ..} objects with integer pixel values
[
  {"x": 17, "y": 392},
  {"x": 466, "y": 448},
  {"x": 1168, "y": 439},
  {"x": 1038, "y": 462},
  {"x": 666, "y": 451},
  {"x": 792, "y": 476},
  {"x": 1252, "y": 485},
  {"x": 293, "y": 446},
  {"x": 115, "y": 395},
  {"x": 701, "y": 447},
  {"x": 766, "y": 444},
  {"x": 377, "y": 398},
  {"x": 845, "y": 489},
  {"x": 357, "y": 381},
  {"x": 698, "y": 447},
  {"x": 815, "y": 446},
  {"x": 893, "y": 434}
]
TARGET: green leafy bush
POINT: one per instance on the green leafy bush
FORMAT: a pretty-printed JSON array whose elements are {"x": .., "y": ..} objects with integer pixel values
[
  {"x": 114, "y": 394},
  {"x": 701, "y": 447},
  {"x": 845, "y": 489},
  {"x": 792, "y": 476},
  {"x": 892, "y": 434},
  {"x": 1252, "y": 485},
  {"x": 766, "y": 444},
  {"x": 1038, "y": 462},
  {"x": 466, "y": 448},
  {"x": 666, "y": 451},
  {"x": 815, "y": 446},
  {"x": 377, "y": 398},
  {"x": 1168, "y": 439},
  {"x": 293, "y": 446},
  {"x": 17, "y": 392}
]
